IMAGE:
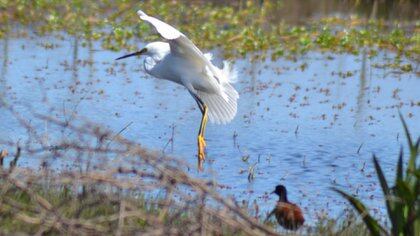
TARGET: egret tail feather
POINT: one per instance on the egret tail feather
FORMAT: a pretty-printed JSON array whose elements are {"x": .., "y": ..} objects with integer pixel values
[
  {"x": 221, "y": 109},
  {"x": 229, "y": 73}
]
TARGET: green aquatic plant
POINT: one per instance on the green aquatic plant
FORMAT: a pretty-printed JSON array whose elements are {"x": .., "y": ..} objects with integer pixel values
[
  {"x": 402, "y": 200},
  {"x": 235, "y": 27}
]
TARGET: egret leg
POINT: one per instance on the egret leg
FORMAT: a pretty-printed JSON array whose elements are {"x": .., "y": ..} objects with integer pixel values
[
  {"x": 200, "y": 138},
  {"x": 201, "y": 143}
]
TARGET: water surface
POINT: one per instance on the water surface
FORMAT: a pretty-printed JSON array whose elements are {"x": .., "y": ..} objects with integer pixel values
[{"x": 309, "y": 123}]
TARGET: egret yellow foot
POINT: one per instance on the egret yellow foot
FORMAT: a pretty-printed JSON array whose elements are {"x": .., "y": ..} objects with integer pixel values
[{"x": 201, "y": 148}]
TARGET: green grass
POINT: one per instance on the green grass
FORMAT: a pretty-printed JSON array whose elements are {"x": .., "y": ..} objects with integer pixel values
[
  {"x": 96, "y": 211},
  {"x": 92, "y": 211}
]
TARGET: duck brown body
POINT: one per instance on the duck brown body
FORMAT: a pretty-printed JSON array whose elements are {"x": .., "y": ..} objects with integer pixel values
[{"x": 288, "y": 215}]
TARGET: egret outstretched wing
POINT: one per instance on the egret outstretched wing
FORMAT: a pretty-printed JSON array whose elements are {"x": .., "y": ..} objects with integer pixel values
[
  {"x": 180, "y": 44},
  {"x": 167, "y": 31}
]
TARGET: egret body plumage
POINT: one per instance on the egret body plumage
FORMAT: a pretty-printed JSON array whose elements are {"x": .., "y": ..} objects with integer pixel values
[{"x": 177, "y": 59}]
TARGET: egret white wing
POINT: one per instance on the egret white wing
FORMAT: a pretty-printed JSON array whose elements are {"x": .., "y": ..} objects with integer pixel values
[
  {"x": 181, "y": 45},
  {"x": 167, "y": 31}
]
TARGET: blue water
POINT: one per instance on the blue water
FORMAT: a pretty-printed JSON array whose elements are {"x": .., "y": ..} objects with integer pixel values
[{"x": 302, "y": 128}]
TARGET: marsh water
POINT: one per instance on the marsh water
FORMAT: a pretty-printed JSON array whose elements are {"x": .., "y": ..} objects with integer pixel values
[{"x": 309, "y": 123}]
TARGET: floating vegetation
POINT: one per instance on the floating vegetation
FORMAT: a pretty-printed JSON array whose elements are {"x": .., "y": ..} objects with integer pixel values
[
  {"x": 251, "y": 172},
  {"x": 236, "y": 28}
]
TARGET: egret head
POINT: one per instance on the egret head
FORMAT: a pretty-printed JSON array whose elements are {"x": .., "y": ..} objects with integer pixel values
[
  {"x": 281, "y": 192},
  {"x": 154, "y": 49}
]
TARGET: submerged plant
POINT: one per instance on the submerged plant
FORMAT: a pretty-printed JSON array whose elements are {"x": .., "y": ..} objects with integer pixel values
[{"x": 402, "y": 200}]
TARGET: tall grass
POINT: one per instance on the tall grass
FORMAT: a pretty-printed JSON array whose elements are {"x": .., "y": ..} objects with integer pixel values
[
  {"x": 114, "y": 187},
  {"x": 118, "y": 187},
  {"x": 402, "y": 199}
]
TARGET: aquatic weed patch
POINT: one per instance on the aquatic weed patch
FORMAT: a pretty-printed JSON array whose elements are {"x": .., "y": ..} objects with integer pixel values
[{"x": 236, "y": 29}]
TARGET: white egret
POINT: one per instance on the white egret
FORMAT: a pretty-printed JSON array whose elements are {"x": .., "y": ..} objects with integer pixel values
[{"x": 179, "y": 60}]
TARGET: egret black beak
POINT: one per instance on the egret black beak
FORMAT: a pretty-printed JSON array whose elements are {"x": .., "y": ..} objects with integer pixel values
[{"x": 133, "y": 54}]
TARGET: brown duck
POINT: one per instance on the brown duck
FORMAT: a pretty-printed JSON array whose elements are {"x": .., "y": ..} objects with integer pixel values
[{"x": 288, "y": 215}]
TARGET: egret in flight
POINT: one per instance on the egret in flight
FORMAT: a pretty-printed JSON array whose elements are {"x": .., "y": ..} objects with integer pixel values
[{"x": 177, "y": 59}]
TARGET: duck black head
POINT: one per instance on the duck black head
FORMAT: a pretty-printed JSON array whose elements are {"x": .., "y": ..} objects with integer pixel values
[{"x": 281, "y": 192}]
